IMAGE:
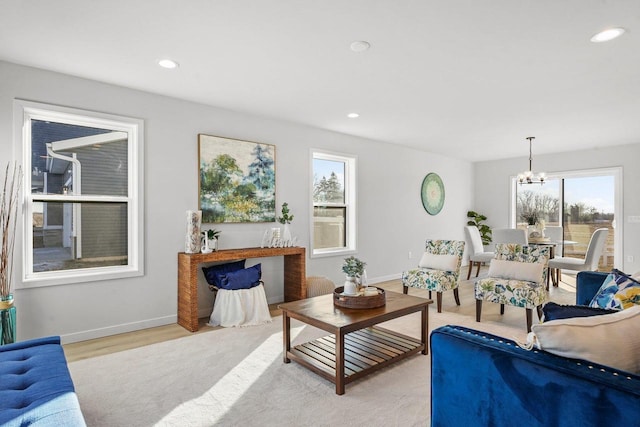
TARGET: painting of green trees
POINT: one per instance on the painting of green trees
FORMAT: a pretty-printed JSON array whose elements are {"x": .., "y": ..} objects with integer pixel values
[{"x": 237, "y": 180}]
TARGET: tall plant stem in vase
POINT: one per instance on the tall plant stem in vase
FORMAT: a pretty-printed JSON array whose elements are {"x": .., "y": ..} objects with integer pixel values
[{"x": 9, "y": 203}]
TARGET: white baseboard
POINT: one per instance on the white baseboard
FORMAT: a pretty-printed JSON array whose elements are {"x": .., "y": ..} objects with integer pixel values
[
  {"x": 380, "y": 279},
  {"x": 117, "y": 329},
  {"x": 167, "y": 320}
]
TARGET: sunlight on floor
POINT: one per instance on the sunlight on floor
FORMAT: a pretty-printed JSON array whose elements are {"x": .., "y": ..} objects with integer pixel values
[{"x": 220, "y": 398}]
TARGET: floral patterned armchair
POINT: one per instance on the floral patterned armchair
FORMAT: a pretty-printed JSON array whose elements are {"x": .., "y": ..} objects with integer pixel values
[
  {"x": 438, "y": 270},
  {"x": 517, "y": 276}
]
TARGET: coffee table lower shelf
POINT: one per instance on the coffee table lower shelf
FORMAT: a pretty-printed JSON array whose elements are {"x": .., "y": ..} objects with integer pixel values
[{"x": 365, "y": 351}]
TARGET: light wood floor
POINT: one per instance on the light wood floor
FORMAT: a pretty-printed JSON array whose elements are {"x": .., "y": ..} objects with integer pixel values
[{"x": 116, "y": 343}]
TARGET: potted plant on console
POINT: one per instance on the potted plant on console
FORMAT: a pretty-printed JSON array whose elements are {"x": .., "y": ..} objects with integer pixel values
[
  {"x": 286, "y": 219},
  {"x": 210, "y": 235}
]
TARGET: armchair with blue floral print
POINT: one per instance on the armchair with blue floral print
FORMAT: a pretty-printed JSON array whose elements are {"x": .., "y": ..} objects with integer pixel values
[
  {"x": 517, "y": 276},
  {"x": 438, "y": 269}
]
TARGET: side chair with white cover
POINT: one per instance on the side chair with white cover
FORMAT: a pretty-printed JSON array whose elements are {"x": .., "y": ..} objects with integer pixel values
[
  {"x": 477, "y": 254},
  {"x": 509, "y": 235},
  {"x": 555, "y": 235},
  {"x": 591, "y": 259}
]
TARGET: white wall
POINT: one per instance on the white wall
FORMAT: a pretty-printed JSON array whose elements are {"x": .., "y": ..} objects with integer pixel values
[
  {"x": 492, "y": 187},
  {"x": 391, "y": 219}
]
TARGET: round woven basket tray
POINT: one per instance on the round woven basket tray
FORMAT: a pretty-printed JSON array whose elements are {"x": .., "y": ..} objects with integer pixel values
[{"x": 358, "y": 301}]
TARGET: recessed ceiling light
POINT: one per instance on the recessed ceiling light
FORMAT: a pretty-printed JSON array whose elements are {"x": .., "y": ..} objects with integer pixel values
[
  {"x": 606, "y": 35},
  {"x": 168, "y": 63},
  {"x": 360, "y": 46},
  {"x": 353, "y": 115}
]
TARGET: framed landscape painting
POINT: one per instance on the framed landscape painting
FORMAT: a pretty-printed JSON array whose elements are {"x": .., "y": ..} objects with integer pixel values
[{"x": 237, "y": 181}]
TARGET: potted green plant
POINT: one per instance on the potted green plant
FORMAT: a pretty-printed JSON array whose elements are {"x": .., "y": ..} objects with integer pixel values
[
  {"x": 531, "y": 217},
  {"x": 286, "y": 219},
  {"x": 354, "y": 269},
  {"x": 477, "y": 219},
  {"x": 210, "y": 235},
  {"x": 9, "y": 205}
]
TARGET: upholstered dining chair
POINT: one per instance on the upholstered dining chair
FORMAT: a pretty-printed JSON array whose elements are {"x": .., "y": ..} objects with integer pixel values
[
  {"x": 477, "y": 254},
  {"x": 590, "y": 261},
  {"x": 438, "y": 269},
  {"x": 509, "y": 235},
  {"x": 555, "y": 235},
  {"x": 517, "y": 276}
]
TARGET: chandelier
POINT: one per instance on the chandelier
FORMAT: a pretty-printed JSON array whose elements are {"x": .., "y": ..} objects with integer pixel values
[{"x": 528, "y": 177}]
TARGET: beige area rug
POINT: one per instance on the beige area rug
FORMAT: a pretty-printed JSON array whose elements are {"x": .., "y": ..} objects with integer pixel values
[{"x": 236, "y": 377}]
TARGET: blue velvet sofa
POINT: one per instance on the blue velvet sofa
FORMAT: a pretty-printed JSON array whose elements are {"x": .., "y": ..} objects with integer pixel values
[
  {"x": 478, "y": 379},
  {"x": 35, "y": 385}
]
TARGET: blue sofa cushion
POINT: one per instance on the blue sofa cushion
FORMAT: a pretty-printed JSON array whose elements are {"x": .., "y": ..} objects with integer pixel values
[
  {"x": 214, "y": 274},
  {"x": 553, "y": 311},
  {"x": 479, "y": 379},
  {"x": 242, "y": 279},
  {"x": 35, "y": 385},
  {"x": 619, "y": 291}
]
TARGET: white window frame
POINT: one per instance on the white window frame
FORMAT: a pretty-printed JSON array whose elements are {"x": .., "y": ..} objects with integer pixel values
[
  {"x": 350, "y": 162},
  {"x": 24, "y": 112}
]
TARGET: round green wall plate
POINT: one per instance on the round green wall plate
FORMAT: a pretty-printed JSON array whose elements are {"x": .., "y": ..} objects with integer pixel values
[{"x": 432, "y": 193}]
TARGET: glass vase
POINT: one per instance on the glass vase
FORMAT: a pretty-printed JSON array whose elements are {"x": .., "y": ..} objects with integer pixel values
[{"x": 7, "y": 320}]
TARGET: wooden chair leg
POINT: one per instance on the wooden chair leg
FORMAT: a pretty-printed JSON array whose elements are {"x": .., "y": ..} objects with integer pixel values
[
  {"x": 478, "y": 270},
  {"x": 429, "y": 294},
  {"x": 478, "y": 309},
  {"x": 470, "y": 268},
  {"x": 539, "y": 310},
  {"x": 438, "y": 301},
  {"x": 529, "y": 319},
  {"x": 549, "y": 273},
  {"x": 501, "y": 308},
  {"x": 405, "y": 289},
  {"x": 456, "y": 296}
]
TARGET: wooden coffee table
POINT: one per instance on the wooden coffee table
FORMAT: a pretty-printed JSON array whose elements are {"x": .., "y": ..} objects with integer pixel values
[{"x": 355, "y": 348}]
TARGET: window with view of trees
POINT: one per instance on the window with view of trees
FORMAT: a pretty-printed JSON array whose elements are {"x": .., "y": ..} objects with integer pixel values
[
  {"x": 579, "y": 203},
  {"x": 333, "y": 196},
  {"x": 82, "y": 214}
]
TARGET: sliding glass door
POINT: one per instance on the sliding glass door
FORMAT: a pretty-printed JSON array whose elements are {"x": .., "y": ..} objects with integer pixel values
[
  {"x": 572, "y": 206},
  {"x": 589, "y": 204}
]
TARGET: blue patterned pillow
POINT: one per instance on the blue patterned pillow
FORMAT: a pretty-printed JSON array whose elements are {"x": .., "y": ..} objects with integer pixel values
[
  {"x": 214, "y": 274},
  {"x": 242, "y": 279},
  {"x": 553, "y": 311},
  {"x": 619, "y": 291}
]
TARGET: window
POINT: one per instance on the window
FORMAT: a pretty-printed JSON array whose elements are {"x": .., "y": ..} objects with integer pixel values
[
  {"x": 333, "y": 228},
  {"x": 579, "y": 202},
  {"x": 82, "y": 217}
]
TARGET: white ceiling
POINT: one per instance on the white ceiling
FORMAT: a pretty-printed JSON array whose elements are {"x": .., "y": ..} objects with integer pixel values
[{"x": 465, "y": 78}]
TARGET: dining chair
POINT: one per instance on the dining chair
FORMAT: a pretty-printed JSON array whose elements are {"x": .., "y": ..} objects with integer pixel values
[
  {"x": 555, "y": 235},
  {"x": 438, "y": 269},
  {"x": 590, "y": 261},
  {"x": 509, "y": 235},
  {"x": 517, "y": 276},
  {"x": 477, "y": 254}
]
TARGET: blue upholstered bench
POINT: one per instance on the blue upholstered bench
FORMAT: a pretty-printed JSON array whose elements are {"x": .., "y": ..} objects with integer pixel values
[{"x": 35, "y": 385}]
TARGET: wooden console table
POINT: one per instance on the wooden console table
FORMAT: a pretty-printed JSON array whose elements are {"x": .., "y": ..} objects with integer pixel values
[{"x": 295, "y": 284}]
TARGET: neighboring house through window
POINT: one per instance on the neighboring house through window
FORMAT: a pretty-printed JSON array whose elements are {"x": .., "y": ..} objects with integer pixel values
[
  {"x": 334, "y": 203},
  {"x": 83, "y": 193}
]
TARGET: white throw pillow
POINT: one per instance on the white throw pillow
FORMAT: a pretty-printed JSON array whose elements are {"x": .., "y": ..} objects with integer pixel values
[
  {"x": 611, "y": 340},
  {"x": 439, "y": 262},
  {"x": 514, "y": 270}
]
